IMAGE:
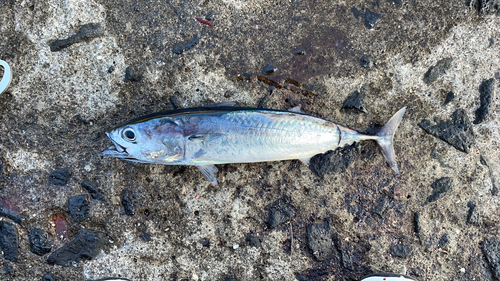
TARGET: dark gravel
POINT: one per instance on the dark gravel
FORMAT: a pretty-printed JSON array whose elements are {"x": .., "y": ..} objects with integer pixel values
[
  {"x": 87, "y": 245},
  {"x": 354, "y": 102},
  {"x": 456, "y": 131},
  {"x": 437, "y": 70},
  {"x": 127, "y": 199},
  {"x": 439, "y": 188},
  {"x": 371, "y": 18},
  {"x": 473, "y": 216},
  {"x": 86, "y": 32},
  {"x": 60, "y": 176},
  {"x": 39, "y": 242},
  {"x": 333, "y": 161},
  {"x": 485, "y": 97},
  {"x": 253, "y": 241},
  {"x": 79, "y": 207},
  {"x": 8, "y": 241},
  {"x": 91, "y": 187},
  {"x": 491, "y": 249},
  {"x": 319, "y": 240},
  {"x": 280, "y": 211},
  {"x": 401, "y": 251}
]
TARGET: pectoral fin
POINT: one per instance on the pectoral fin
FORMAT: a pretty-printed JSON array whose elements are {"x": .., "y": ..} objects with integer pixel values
[
  {"x": 209, "y": 172},
  {"x": 305, "y": 160}
]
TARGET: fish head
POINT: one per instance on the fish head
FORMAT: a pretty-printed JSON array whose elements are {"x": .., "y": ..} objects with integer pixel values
[{"x": 148, "y": 142}]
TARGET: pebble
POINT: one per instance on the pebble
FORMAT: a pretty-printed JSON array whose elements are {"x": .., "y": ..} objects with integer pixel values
[
  {"x": 280, "y": 211},
  {"x": 319, "y": 240},
  {"x": 371, "y": 18},
  {"x": 39, "y": 243},
  {"x": 439, "y": 187},
  {"x": 456, "y": 131},
  {"x": 79, "y": 207},
  {"x": 485, "y": 97},
  {"x": 401, "y": 250},
  {"x": 8, "y": 241},
  {"x": 438, "y": 70},
  {"x": 127, "y": 196},
  {"x": 87, "y": 245},
  {"x": 60, "y": 177}
]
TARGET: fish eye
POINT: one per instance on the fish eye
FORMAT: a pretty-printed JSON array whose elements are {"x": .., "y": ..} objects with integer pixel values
[{"x": 128, "y": 134}]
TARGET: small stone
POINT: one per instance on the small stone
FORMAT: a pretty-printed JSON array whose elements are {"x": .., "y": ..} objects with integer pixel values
[
  {"x": 416, "y": 223},
  {"x": 382, "y": 204},
  {"x": 449, "y": 97},
  {"x": 491, "y": 249},
  {"x": 111, "y": 69},
  {"x": 371, "y": 18},
  {"x": 485, "y": 96},
  {"x": 336, "y": 161},
  {"x": 353, "y": 101},
  {"x": 236, "y": 246},
  {"x": 473, "y": 216},
  {"x": 253, "y": 241},
  {"x": 280, "y": 211},
  {"x": 439, "y": 187},
  {"x": 268, "y": 69},
  {"x": 8, "y": 241},
  {"x": 131, "y": 75},
  {"x": 86, "y": 32},
  {"x": 299, "y": 52},
  {"x": 127, "y": 202},
  {"x": 395, "y": 1},
  {"x": 47, "y": 277},
  {"x": 356, "y": 12},
  {"x": 364, "y": 62},
  {"x": 60, "y": 176},
  {"x": 205, "y": 243},
  {"x": 87, "y": 245},
  {"x": 9, "y": 269},
  {"x": 319, "y": 240},
  {"x": 444, "y": 240},
  {"x": 436, "y": 71},
  {"x": 401, "y": 250},
  {"x": 456, "y": 131},
  {"x": 39, "y": 242},
  {"x": 174, "y": 101},
  {"x": 230, "y": 279},
  {"x": 179, "y": 49},
  {"x": 416, "y": 272},
  {"x": 79, "y": 207},
  {"x": 146, "y": 237},
  {"x": 462, "y": 270},
  {"x": 92, "y": 189}
]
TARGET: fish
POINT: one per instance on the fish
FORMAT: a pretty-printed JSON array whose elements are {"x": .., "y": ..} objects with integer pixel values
[{"x": 223, "y": 134}]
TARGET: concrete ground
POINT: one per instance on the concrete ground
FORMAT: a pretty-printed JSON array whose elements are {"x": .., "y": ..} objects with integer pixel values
[{"x": 81, "y": 68}]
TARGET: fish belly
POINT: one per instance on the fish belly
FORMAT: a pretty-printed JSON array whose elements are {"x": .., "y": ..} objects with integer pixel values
[{"x": 243, "y": 137}]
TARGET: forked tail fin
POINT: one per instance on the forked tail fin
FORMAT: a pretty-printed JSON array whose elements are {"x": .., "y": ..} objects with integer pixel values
[{"x": 385, "y": 138}]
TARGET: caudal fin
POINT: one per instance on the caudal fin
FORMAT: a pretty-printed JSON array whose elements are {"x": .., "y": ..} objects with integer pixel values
[{"x": 386, "y": 136}]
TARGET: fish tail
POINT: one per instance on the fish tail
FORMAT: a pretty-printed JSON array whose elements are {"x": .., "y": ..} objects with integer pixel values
[{"x": 385, "y": 138}]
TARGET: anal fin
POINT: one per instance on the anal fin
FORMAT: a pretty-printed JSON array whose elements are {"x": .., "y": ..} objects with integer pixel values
[
  {"x": 209, "y": 172},
  {"x": 305, "y": 160},
  {"x": 297, "y": 108}
]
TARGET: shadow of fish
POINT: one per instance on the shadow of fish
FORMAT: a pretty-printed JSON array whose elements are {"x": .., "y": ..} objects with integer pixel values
[{"x": 210, "y": 135}]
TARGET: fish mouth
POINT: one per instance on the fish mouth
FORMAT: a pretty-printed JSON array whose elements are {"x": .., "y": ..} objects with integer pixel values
[{"x": 118, "y": 150}]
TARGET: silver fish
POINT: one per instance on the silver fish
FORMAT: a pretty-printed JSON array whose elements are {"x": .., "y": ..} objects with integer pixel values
[{"x": 206, "y": 136}]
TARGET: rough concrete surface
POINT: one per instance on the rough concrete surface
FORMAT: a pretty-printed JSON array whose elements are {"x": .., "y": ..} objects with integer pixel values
[{"x": 83, "y": 67}]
